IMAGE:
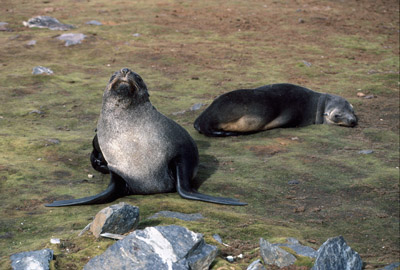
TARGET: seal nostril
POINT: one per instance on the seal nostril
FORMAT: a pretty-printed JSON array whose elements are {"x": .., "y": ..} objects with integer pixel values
[{"x": 125, "y": 71}]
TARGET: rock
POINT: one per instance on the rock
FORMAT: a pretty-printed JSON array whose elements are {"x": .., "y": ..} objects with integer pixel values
[
  {"x": 112, "y": 236},
  {"x": 52, "y": 141},
  {"x": 299, "y": 249},
  {"x": 41, "y": 70},
  {"x": 47, "y": 22},
  {"x": 273, "y": 255},
  {"x": 256, "y": 265},
  {"x": 335, "y": 254},
  {"x": 94, "y": 22},
  {"x": 36, "y": 111},
  {"x": 230, "y": 259},
  {"x": 118, "y": 218},
  {"x": 72, "y": 38},
  {"x": 196, "y": 106},
  {"x": 360, "y": 94},
  {"x": 217, "y": 238},
  {"x": 3, "y": 27},
  {"x": 392, "y": 266},
  {"x": 35, "y": 260},
  {"x": 294, "y": 182},
  {"x": 182, "y": 216},
  {"x": 366, "y": 152},
  {"x": 160, "y": 247},
  {"x": 31, "y": 43},
  {"x": 136, "y": 35},
  {"x": 308, "y": 64},
  {"x": 55, "y": 241},
  {"x": 369, "y": 97}
]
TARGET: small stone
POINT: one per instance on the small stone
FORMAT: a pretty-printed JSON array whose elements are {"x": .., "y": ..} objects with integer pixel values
[
  {"x": 217, "y": 238},
  {"x": 72, "y": 38},
  {"x": 136, "y": 35},
  {"x": 273, "y": 255},
  {"x": 36, "y": 111},
  {"x": 196, "y": 106},
  {"x": 294, "y": 182},
  {"x": 90, "y": 176},
  {"x": 369, "y": 97},
  {"x": 94, "y": 22},
  {"x": 3, "y": 27},
  {"x": 256, "y": 265},
  {"x": 112, "y": 236},
  {"x": 301, "y": 20},
  {"x": 360, "y": 94},
  {"x": 31, "y": 43},
  {"x": 366, "y": 152},
  {"x": 53, "y": 141},
  {"x": 308, "y": 64},
  {"x": 118, "y": 218},
  {"x": 230, "y": 259},
  {"x": 294, "y": 138},
  {"x": 41, "y": 70},
  {"x": 55, "y": 241}
]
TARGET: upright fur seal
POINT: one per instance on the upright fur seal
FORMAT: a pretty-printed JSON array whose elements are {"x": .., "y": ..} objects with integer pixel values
[
  {"x": 144, "y": 151},
  {"x": 247, "y": 111}
]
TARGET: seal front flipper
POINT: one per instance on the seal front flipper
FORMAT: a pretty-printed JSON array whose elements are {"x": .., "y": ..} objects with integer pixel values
[
  {"x": 96, "y": 158},
  {"x": 185, "y": 191},
  {"x": 116, "y": 189}
]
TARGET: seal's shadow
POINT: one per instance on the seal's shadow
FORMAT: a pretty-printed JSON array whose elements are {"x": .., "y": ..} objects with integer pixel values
[{"x": 208, "y": 164}]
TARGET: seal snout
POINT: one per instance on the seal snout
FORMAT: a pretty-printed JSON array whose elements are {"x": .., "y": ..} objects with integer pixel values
[{"x": 125, "y": 71}]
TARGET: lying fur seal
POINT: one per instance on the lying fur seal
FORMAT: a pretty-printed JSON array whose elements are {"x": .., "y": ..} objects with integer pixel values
[
  {"x": 248, "y": 111},
  {"x": 144, "y": 151}
]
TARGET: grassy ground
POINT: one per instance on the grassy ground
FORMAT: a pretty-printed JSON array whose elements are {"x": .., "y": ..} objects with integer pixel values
[{"x": 190, "y": 52}]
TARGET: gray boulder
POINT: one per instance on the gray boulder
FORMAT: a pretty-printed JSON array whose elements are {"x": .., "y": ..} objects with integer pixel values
[
  {"x": 35, "y": 260},
  {"x": 182, "y": 216},
  {"x": 47, "y": 22},
  {"x": 335, "y": 254},
  {"x": 161, "y": 247},
  {"x": 274, "y": 255},
  {"x": 118, "y": 219}
]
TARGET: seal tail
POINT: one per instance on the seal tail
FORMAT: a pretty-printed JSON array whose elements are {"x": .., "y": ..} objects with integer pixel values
[
  {"x": 112, "y": 193},
  {"x": 188, "y": 193}
]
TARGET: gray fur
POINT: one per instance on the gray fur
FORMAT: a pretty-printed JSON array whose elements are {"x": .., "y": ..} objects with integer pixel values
[{"x": 139, "y": 142}]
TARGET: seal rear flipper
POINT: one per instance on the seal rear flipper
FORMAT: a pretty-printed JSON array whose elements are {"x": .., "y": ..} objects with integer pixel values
[
  {"x": 116, "y": 189},
  {"x": 188, "y": 193}
]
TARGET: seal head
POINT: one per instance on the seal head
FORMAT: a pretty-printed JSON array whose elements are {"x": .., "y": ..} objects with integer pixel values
[{"x": 339, "y": 111}]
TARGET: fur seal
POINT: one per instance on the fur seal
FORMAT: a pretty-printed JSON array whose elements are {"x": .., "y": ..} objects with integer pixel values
[
  {"x": 247, "y": 111},
  {"x": 144, "y": 151}
]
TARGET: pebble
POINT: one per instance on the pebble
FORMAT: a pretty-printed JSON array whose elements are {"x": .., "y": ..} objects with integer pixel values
[
  {"x": 366, "y": 152},
  {"x": 94, "y": 22},
  {"x": 41, "y": 70},
  {"x": 55, "y": 241}
]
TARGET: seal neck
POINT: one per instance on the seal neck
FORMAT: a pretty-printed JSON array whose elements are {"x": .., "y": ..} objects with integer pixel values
[{"x": 319, "y": 117}]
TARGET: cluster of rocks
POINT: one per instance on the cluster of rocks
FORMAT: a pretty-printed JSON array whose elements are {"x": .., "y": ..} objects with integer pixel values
[
  {"x": 176, "y": 247},
  {"x": 51, "y": 23}
]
